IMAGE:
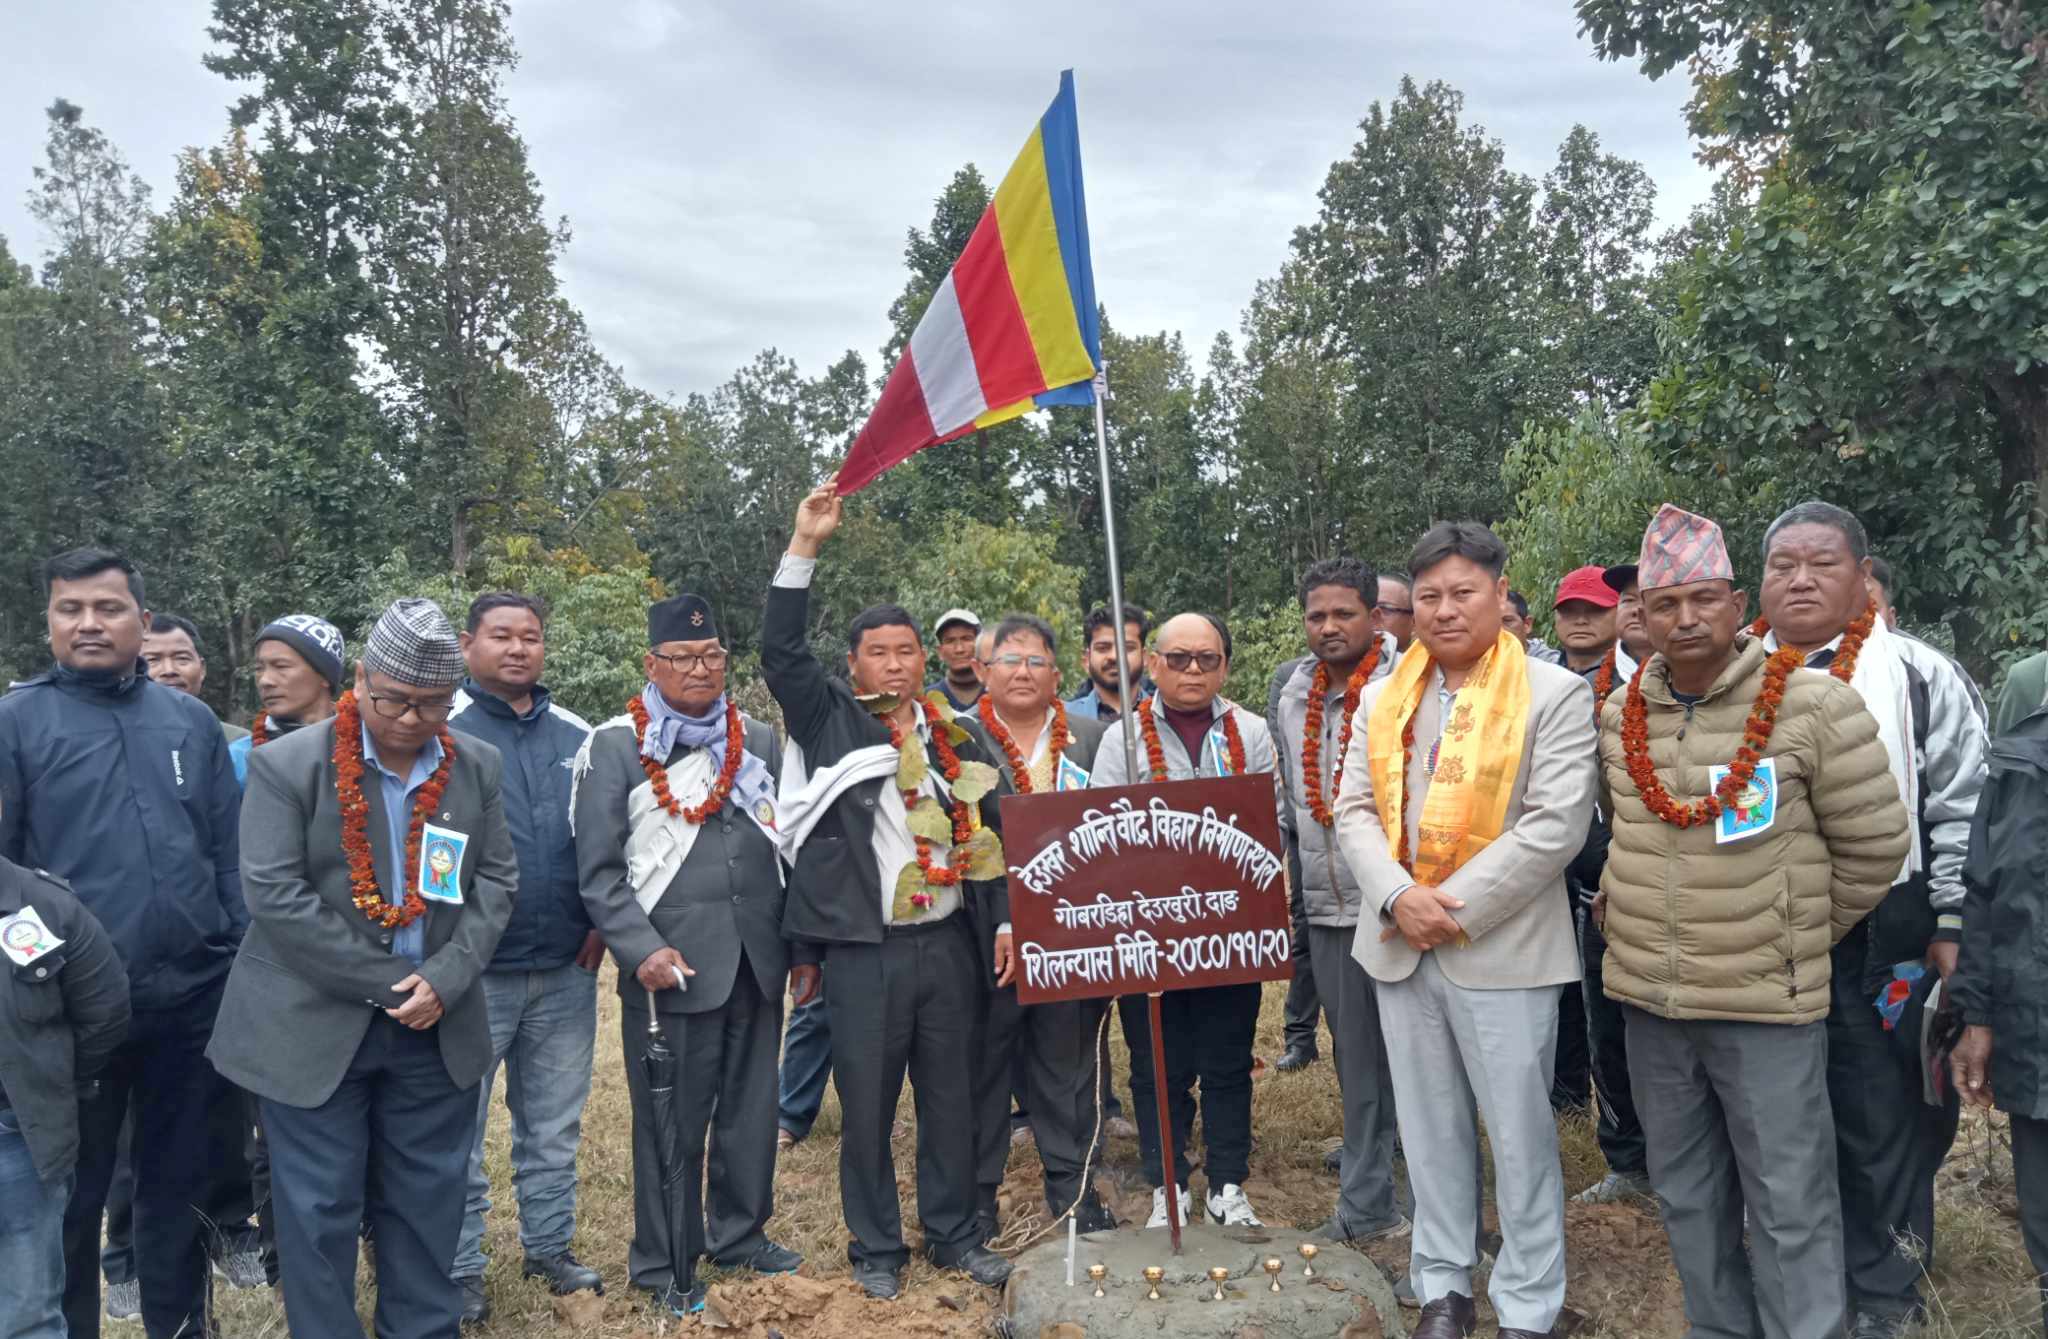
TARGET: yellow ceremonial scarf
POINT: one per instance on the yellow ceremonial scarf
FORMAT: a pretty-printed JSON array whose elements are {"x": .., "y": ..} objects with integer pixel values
[{"x": 1466, "y": 803}]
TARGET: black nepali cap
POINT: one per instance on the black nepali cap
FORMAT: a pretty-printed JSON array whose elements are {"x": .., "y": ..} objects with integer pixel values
[{"x": 681, "y": 618}]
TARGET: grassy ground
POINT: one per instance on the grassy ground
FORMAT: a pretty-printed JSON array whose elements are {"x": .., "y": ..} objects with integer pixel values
[{"x": 1621, "y": 1282}]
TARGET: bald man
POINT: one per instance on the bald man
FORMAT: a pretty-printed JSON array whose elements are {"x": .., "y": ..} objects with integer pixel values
[{"x": 1208, "y": 1032}]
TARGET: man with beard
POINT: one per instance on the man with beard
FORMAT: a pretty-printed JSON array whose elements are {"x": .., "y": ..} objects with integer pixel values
[
  {"x": 1192, "y": 731},
  {"x": 1312, "y": 729},
  {"x": 1099, "y": 642},
  {"x": 879, "y": 901},
  {"x": 1816, "y": 599},
  {"x": 1043, "y": 748}
]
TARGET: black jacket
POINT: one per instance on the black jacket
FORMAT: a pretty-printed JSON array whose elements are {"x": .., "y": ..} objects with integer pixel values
[
  {"x": 835, "y": 891},
  {"x": 63, "y": 1015},
  {"x": 2002, "y": 975},
  {"x": 124, "y": 790},
  {"x": 539, "y": 747}
]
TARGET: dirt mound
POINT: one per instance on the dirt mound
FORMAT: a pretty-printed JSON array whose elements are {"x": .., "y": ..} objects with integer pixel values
[{"x": 794, "y": 1307}]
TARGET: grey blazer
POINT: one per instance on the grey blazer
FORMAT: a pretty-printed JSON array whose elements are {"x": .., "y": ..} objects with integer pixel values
[
  {"x": 312, "y": 968},
  {"x": 1517, "y": 913}
]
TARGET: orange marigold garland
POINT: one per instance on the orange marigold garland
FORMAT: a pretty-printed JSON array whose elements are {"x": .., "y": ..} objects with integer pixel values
[
  {"x": 1020, "y": 771},
  {"x": 355, "y": 817},
  {"x": 1155, "y": 752},
  {"x": 1603, "y": 680},
  {"x": 735, "y": 749},
  {"x": 259, "y": 730},
  {"x": 1756, "y": 737},
  {"x": 1312, "y": 732},
  {"x": 963, "y": 824},
  {"x": 1843, "y": 666}
]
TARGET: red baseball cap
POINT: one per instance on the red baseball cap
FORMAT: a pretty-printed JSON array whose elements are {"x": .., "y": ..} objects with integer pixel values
[{"x": 1586, "y": 584}]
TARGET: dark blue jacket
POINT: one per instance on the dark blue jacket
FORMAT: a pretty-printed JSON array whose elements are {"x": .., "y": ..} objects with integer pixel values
[
  {"x": 548, "y": 920},
  {"x": 125, "y": 791}
]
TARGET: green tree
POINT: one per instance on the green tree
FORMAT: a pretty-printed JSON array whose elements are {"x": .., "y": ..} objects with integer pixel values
[{"x": 997, "y": 570}]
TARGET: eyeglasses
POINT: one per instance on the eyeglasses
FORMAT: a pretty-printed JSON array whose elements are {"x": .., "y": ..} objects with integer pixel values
[
  {"x": 1395, "y": 609},
  {"x": 394, "y": 708},
  {"x": 1208, "y": 662},
  {"x": 681, "y": 664},
  {"x": 1012, "y": 660}
]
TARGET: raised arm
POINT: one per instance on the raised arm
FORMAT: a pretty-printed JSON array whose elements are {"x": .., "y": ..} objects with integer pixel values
[{"x": 799, "y": 683}]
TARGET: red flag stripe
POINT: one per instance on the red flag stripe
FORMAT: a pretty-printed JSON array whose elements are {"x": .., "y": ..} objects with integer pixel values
[
  {"x": 899, "y": 428},
  {"x": 1003, "y": 353}
]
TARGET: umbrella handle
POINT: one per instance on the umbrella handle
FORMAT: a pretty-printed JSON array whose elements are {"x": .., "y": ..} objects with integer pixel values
[{"x": 653, "y": 1019}]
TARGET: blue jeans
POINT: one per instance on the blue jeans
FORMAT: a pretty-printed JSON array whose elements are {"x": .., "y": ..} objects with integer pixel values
[
  {"x": 806, "y": 1064},
  {"x": 544, "y": 1028},
  {"x": 31, "y": 1241}
]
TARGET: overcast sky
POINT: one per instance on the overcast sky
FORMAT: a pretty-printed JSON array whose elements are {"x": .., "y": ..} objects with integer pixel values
[{"x": 740, "y": 173}]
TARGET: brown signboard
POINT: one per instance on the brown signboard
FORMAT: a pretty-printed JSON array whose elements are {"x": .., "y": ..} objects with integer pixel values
[{"x": 1132, "y": 889}]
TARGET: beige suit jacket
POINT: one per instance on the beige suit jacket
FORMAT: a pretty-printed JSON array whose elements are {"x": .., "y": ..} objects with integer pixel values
[{"x": 1517, "y": 913}]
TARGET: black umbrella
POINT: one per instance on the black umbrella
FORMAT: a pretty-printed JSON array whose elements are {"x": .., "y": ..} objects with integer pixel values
[{"x": 679, "y": 1193}]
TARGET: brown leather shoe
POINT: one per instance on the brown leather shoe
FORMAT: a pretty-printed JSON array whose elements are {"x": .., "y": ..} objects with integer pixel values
[{"x": 1448, "y": 1317}]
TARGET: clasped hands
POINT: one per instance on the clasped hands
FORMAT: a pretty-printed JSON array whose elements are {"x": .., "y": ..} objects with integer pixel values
[{"x": 1422, "y": 917}]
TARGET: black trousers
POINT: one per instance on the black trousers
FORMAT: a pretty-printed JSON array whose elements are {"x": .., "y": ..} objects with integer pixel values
[
  {"x": 1888, "y": 1142},
  {"x": 161, "y": 1074},
  {"x": 910, "y": 1004},
  {"x": 240, "y": 1189},
  {"x": 390, "y": 1148},
  {"x": 1571, "y": 1069},
  {"x": 1619, "y": 1131},
  {"x": 2030, "y": 1179},
  {"x": 1208, "y": 1034},
  {"x": 1053, "y": 1047},
  {"x": 1298, "y": 1027},
  {"x": 726, "y": 1102}
]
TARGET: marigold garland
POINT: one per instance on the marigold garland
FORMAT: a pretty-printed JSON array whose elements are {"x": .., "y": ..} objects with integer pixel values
[
  {"x": 963, "y": 825},
  {"x": 1312, "y": 732},
  {"x": 259, "y": 730},
  {"x": 1603, "y": 681},
  {"x": 1020, "y": 770},
  {"x": 1843, "y": 666},
  {"x": 1756, "y": 737},
  {"x": 1155, "y": 752},
  {"x": 657, "y": 773},
  {"x": 355, "y": 817}
]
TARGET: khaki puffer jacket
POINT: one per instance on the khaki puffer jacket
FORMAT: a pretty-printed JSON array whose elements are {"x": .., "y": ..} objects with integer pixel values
[{"x": 1741, "y": 929}]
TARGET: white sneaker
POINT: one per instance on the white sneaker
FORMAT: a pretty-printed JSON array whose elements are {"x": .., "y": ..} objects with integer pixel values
[
  {"x": 1232, "y": 1209},
  {"x": 1158, "y": 1218}
]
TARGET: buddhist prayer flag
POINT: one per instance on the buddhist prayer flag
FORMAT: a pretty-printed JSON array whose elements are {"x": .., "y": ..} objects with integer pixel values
[{"x": 1013, "y": 326}]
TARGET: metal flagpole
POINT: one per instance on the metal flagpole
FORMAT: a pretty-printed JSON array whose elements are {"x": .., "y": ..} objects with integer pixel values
[{"x": 1130, "y": 733}]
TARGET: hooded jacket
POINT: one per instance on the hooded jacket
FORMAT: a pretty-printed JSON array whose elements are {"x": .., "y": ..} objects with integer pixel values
[
  {"x": 1741, "y": 929},
  {"x": 123, "y": 789}
]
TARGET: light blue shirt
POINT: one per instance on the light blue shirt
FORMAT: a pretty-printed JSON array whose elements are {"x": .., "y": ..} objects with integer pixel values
[{"x": 407, "y": 941}]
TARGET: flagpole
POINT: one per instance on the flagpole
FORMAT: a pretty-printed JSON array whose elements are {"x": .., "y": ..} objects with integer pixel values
[{"x": 1116, "y": 578}]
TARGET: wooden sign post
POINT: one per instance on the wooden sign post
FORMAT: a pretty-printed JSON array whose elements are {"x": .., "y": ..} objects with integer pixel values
[{"x": 1148, "y": 888}]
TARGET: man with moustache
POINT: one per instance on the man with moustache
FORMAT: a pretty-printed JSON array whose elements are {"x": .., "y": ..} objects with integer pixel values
[
  {"x": 1754, "y": 824},
  {"x": 353, "y": 1010},
  {"x": 1208, "y": 1031},
  {"x": 541, "y": 985},
  {"x": 299, "y": 662},
  {"x": 1816, "y": 599},
  {"x": 1043, "y": 748},
  {"x": 880, "y": 906},
  {"x": 122, "y": 787},
  {"x": 1466, "y": 793},
  {"x": 1312, "y": 728},
  {"x": 1099, "y": 642},
  {"x": 676, "y": 837},
  {"x": 171, "y": 650}
]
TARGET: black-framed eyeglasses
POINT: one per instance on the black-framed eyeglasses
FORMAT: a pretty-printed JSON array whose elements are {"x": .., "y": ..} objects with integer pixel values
[
  {"x": 1208, "y": 662},
  {"x": 1013, "y": 660},
  {"x": 681, "y": 662},
  {"x": 394, "y": 708}
]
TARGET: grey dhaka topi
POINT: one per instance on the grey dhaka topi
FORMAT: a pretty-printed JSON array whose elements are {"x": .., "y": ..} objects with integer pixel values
[{"x": 415, "y": 644}]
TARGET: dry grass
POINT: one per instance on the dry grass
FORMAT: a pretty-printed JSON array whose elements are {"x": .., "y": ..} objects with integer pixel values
[{"x": 1620, "y": 1274}]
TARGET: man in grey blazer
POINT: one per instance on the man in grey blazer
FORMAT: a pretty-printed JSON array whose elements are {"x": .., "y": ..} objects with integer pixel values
[
  {"x": 1465, "y": 925},
  {"x": 688, "y": 896},
  {"x": 379, "y": 875},
  {"x": 1045, "y": 1051}
]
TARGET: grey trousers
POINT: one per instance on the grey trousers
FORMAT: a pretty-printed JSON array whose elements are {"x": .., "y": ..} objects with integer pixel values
[
  {"x": 1450, "y": 1048},
  {"x": 1365, "y": 1198},
  {"x": 1055, "y": 1046},
  {"x": 725, "y": 1099},
  {"x": 1736, "y": 1115}
]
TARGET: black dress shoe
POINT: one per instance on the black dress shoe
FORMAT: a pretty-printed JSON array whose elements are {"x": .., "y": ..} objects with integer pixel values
[
  {"x": 1448, "y": 1317},
  {"x": 1297, "y": 1056},
  {"x": 979, "y": 1263},
  {"x": 767, "y": 1258},
  {"x": 564, "y": 1274},
  {"x": 476, "y": 1308},
  {"x": 877, "y": 1281},
  {"x": 1528, "y": 1334}
]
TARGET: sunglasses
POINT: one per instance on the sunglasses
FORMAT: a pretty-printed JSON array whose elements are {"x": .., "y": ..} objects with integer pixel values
[{"x": 1208, "y": 662}]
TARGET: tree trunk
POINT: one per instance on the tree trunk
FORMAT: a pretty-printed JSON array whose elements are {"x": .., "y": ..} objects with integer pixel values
[{"x": 2021, "y": 403}]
